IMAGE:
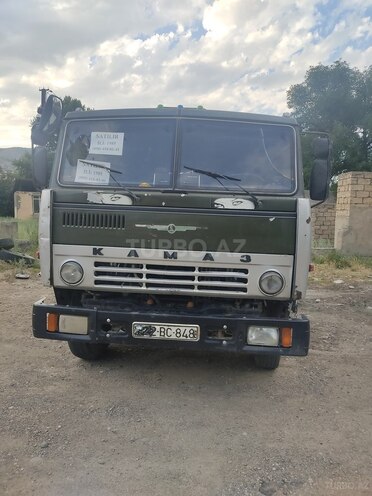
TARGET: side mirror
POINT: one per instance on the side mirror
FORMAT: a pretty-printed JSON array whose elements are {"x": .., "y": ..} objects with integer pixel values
[
  {"x": 319, "y": 180},
  {"x": 40, "y": 166},
  {"x": 321, "y": 148},
  {"x": 49, "y": 121},
  {"x": 321, "y": 171}
]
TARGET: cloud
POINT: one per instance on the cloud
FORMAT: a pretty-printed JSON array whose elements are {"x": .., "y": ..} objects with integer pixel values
[{"x": 223, "y": 54}]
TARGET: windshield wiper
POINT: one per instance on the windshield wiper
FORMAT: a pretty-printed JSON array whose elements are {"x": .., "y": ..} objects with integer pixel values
[
  {"x": 217, "y": 177},
  {"x": 100, "y": 166}
]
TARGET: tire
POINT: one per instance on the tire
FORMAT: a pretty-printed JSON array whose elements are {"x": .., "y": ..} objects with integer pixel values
[
  {"x": 88, "y": 351},
  {"x": 268, "y": 362},
  {"x": 6, "y": 243}
]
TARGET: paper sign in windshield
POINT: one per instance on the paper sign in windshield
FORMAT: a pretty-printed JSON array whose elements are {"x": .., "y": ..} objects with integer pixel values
[
  {"x": 92, "y": 172},
  {"x": 102, "y": 143}
]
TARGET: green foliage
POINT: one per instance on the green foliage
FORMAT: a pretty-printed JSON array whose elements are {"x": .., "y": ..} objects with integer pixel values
[
  {"x": 28, "y": 230},
  {"x": 340, "y": 261},
  {"x": 22, "y": 170},
  {"x": 6, "y": 193},
  {"x": 336, "y": 99},
  {"x": 23, "y": 166},
  {"x": 26, "y": 240}
]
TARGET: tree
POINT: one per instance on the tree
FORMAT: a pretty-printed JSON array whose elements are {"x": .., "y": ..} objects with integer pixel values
[
  {"x": 7, "y": 179},
  {"x": 336, "y": 99},
  {"x": 22, "y": 166}
]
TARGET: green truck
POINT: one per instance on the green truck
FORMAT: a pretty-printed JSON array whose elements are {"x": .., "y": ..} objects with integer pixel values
[{"x": 175, "y": 228}]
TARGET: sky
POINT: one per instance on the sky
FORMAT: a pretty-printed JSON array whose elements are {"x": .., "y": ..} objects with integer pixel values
[{"x": 239, "y": 55}]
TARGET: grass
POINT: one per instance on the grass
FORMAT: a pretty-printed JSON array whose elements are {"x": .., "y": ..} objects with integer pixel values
[
  {"x": 25, "y": 242},
  {"x": 28, "y": 231},
  {"x": 334, "y": 265},
  {"x": 334, "y": 258},
  {"x": 340, "y": 261},
  {"x": 27, "y": 234}
]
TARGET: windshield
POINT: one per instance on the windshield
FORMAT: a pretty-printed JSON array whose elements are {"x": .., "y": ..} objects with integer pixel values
[
  {"x": 142, "y": 153},
  {"x": 260, "y": 156},
  {"x": 139, "y": 152}
]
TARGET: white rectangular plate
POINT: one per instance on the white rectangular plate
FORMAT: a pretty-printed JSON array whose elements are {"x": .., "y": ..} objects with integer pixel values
[{"x": 174, "y": 332}]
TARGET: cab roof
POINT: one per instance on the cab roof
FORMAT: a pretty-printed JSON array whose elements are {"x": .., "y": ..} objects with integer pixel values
[{"x": 180, "y": 111}]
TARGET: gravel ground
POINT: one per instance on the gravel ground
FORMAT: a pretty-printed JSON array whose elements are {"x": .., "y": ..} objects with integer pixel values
[{"x": 161, "y": 423}]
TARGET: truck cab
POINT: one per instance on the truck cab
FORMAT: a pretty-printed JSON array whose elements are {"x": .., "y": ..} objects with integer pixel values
[{"x": 175, "y": 227}]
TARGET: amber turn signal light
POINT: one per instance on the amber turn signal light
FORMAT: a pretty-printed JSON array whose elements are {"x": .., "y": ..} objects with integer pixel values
[
  {"x": 52, "y": 322},
  {"x": 286, "y": 337}
]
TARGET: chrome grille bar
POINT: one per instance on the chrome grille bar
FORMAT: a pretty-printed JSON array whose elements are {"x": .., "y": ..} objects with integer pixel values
[{"x": 164, "y": 277}]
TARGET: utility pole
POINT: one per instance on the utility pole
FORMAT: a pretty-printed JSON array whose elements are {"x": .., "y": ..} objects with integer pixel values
[{"x": 43, "y": 92}]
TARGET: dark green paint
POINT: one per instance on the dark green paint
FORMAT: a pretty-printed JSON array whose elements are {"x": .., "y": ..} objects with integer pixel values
[{"x": 221, "y": 230}]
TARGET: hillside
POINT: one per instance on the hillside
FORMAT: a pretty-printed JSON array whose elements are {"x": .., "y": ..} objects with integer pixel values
[{"x": 7, "y": 155}]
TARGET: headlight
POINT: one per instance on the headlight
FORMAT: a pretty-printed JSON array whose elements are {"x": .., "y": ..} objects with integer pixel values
[
  {"x": 71, "y": 272},
  {"x": 263, "y": 336},
  {"x": 271, "y": 282}
]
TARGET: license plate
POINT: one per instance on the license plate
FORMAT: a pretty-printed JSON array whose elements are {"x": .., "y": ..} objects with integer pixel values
[{"x": 175, "y": 332}]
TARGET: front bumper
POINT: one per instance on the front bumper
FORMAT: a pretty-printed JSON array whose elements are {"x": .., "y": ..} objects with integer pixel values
[{"x": 101, "y": 330}]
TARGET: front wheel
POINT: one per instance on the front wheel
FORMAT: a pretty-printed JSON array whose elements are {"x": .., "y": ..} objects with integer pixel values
[
  {"x": 88, "y": 351},
  {"x": 268, "y": 362}
]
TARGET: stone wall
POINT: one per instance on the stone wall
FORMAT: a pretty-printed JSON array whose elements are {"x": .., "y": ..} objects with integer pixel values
[
  {"x": 323, "y": 223},
  {"x": 353, "y": 225},
  {"x": 9, "y": 229},
  {"x": 354, "y": 190}
]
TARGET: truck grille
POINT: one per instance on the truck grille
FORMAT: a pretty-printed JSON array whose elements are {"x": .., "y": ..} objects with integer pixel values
[
  {"x": 162, "y": 277},
  {"x": 93, "y": 220}
]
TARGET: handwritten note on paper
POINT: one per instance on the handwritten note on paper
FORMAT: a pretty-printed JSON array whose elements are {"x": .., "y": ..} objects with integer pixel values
[
  {"x": 102, "y": 143},
  {"x": 89, "y": 173}
]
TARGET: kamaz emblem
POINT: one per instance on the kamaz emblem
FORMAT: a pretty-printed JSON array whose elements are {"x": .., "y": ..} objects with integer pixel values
[{"x": 170, "y": 228}]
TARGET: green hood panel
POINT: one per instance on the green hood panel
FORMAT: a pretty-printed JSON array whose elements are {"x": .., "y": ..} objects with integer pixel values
[{"x": 176, "y": 228}]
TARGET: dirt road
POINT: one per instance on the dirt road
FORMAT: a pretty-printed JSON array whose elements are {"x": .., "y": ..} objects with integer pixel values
[{"x": 160, "y": 423}]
